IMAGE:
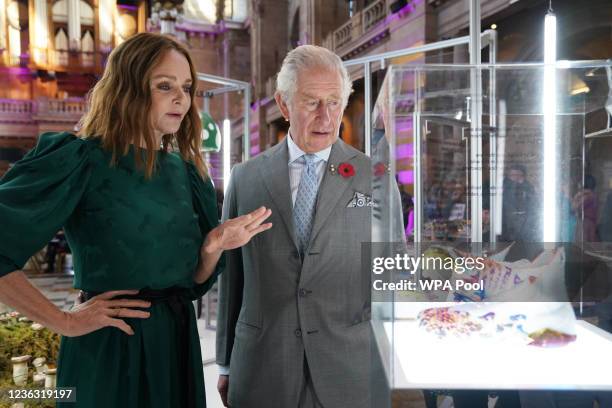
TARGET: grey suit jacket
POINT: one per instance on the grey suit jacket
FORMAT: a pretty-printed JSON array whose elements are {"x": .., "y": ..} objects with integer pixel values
[{"x": 275, "y": 310}]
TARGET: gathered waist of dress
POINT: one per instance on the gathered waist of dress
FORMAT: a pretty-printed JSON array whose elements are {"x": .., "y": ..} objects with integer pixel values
[
  {"x": 178, "y": 301},
  {"x": 150, "y": 295}
]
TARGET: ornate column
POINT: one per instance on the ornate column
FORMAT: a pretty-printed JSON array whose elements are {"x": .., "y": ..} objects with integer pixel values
[
  {"x": 167, "y": 15},
  {"x": 40, "y": 42},
  {"x": 2, "y": 24},
  {"x": 14, "y": 32},
  {"x": 74, "y": 24},
  {"x": 106, "y": 10}
]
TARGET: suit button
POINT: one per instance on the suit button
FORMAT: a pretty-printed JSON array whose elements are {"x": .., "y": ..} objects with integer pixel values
[
  {"x": 298, "y": 333},
  {"x": 303, "y": 293}
]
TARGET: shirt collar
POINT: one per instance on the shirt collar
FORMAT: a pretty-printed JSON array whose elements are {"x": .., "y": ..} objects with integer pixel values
[{"x": 295, "y": 152}]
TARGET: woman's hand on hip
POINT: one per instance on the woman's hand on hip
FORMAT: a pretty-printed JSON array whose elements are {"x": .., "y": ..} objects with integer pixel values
[
  {"x": 103, "y": 311},
  {"x": 236, "y": 232}
]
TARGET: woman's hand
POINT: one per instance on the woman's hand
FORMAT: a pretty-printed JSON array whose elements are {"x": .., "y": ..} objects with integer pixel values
[
  {"x": 102, "y": 311},
  {"x": 236, "y": 232},
  {"x": 231, "y": 234}
]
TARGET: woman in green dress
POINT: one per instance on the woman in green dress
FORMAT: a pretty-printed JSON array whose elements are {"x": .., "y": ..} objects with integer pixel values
[{"x": 139, "y": 212}]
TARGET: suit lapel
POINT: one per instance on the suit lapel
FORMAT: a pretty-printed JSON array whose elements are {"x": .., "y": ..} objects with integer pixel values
[
  {"x": 275, "y": 174},
  {"x": 332, "y": 187}
]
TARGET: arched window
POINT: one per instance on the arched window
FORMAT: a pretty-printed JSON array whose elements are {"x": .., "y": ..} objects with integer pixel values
[
  {"x": 87, "y": 47},
  {"x": 87, "y": 14},
  {"x": 60, "y": 18},
  {"x": 59, "y": 12},
  {"x": 61, "y": 47}
]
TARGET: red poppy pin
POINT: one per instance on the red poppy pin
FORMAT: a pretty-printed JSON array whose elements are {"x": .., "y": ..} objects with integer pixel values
[
  {"x": 346, "y": 170},
  {"x": 380, "y": 169}
]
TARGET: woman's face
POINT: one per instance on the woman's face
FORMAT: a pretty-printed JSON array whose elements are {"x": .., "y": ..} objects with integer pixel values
[{"x": 170, "y": 99}]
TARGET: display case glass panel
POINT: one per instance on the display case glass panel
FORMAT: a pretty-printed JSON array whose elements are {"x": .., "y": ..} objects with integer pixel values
[{"x": 510, "y": 165}]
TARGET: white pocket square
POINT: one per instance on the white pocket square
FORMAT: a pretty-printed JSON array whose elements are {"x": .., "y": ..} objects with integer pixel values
[{"x": 360, "y": 200}]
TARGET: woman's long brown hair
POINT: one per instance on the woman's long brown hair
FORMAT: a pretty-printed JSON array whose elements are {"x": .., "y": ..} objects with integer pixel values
[{"x": 120, "y": 102}]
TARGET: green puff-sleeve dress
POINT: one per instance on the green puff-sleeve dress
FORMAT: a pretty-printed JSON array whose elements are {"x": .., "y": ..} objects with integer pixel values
[{"x": 125, "y": 232}]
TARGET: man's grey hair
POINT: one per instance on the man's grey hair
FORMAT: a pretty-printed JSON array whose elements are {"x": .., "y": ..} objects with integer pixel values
[{"x": 305, "y": 57}]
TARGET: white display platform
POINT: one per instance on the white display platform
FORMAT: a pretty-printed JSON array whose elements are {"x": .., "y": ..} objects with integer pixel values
[{"x": 422, "y": 361}]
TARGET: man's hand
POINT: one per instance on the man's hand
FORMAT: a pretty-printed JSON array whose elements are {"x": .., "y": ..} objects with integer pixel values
[{"x": 222, "y": 387}]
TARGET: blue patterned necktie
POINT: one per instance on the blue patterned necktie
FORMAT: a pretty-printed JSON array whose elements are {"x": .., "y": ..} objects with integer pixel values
[{"x": 303, "y": 210}]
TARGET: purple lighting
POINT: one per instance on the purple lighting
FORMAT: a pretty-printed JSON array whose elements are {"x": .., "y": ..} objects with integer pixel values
[
  {"x": 17, "y": 70},
  {"x": 408, "y": 8},
  {"x": 404, "y": 151},
  {"x": 404, "y": 126},
  {"x": 405, "y": 177},
  {"x": 127, "y": 7}
]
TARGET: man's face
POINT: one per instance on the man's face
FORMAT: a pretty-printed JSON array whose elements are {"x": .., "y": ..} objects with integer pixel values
[
  {"x": 517, "y": 176},
  {"x": 315, "y": 111},
  {"x": 486, "y": 217},
  {"x": 457, "y": 191}
]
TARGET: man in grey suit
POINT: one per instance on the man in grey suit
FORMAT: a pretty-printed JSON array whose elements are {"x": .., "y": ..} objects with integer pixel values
[{"x": 294, "y": 305}]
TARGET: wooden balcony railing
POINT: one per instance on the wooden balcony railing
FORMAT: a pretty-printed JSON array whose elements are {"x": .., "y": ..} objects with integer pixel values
[
  {"x": 63, "y": 107},
  {"x": 363, "y": 23},
  {"x": 17, "y": 60},
  {"x": 65, "y": 58},
  {"x": 61, "y": 60},
  {"x": 373, "y": 14},
  {"x": 69, "y": 110},
  {"x": 16, "y": 107},
  {"x": 343, "y": 35}
]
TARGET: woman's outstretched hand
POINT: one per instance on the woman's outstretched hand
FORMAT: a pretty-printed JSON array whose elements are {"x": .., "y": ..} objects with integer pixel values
[
  {"x": 236, "y": 232},
  {"x": 102, "y": 311}
]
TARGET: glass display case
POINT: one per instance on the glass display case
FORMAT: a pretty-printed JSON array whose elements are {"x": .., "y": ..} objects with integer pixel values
[{"x": 509, "y": 166}]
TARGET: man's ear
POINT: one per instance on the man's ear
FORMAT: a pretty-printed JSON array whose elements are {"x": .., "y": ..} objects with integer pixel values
[{"x": 282, "y": 105}]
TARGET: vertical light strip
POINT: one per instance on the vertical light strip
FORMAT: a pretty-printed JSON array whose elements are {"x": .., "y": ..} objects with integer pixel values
[
  {"x": 475, "y": 146},
  {"x": 549, "y": 108},
  {"x": 14, "y": 36},
  {"x": 226, "y": 153},
  {"x": 496, "y": 221},
  {"x": 2, "y": 24},
  {"x": 41, "y": 38},
  {"x": 74, "y": 24},
  {"x": 105, "y": 24},
  {"x": 367, "y": 97}
]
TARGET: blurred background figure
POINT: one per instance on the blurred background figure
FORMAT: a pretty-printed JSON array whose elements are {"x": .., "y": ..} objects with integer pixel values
[
  {"x": 605, "y": 226},
  {"x": 567, "y": 220},
  {"x": 584, "y": 205},
  {"x": 519, "y": 207}
]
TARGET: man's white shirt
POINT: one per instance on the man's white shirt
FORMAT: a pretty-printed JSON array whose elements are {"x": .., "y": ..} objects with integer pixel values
[{"x": 296, "y": 166}]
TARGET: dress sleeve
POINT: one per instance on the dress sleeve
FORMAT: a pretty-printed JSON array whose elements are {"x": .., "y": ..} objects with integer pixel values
[
  {"x": 38, "y": 194},
  {"x": 205, "y": 206}
]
